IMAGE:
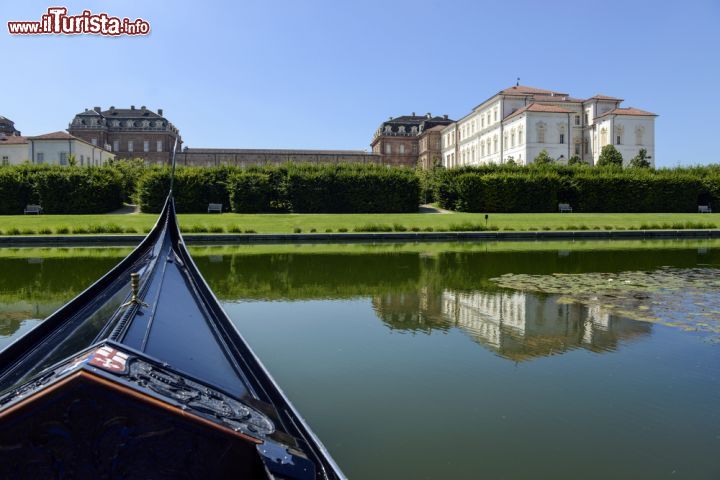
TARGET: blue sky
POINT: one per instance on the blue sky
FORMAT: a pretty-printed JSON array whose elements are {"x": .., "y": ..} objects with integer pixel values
[{"x": 324, "y": 74}]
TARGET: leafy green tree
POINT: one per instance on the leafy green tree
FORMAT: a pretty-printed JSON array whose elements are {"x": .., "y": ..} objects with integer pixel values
[
  {"x": 640, "y": 160},
  {"x": 510, "y": 160},
  {"x": 544, "y": 158},
  {"x": 609, "y": 156},
  {"x": 72, "y": 160},
  {"x": 575, "y": 160}
]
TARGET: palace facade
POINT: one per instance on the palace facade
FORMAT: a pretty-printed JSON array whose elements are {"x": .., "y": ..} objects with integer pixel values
[
  {"x": 410, "y": 140},
  {"x": 128, "y": 132},
  {"x": 519, "y": 122}
]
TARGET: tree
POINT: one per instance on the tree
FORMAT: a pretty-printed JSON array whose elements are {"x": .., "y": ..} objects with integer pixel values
[
  {"x": 510, "y": 160},
  {"x": 640, "y": 160},
  {"x": 609, "y": 156},
  {"x": 72, "y": 160},
  {"x": 575, "y": 160},
  {"x": 543, "y": 158}
]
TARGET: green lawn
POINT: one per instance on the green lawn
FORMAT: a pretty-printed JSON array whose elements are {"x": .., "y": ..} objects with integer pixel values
[{"x": 287, "y": 223}]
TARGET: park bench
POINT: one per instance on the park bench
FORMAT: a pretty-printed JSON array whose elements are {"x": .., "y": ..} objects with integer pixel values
[
  {"x": 704, "y": 209},
  {"x": 36, "y": 209},
  {"x": 215, "y": 208},
  {"x": 564, "y": 208}
]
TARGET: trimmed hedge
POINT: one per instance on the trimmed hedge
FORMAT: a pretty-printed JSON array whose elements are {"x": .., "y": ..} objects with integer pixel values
[
  {"x": 352, "y": 189},
  {"x": 60, "y": 189},
  {"x": 587, "y": 189},
  {"x": 16, "y": 191},
  {"x": 507, "y": 193},
  {"x": 300, "y": 188},
  {"x": 194, "y": 189},
  {"x": 250, "y": 192}
]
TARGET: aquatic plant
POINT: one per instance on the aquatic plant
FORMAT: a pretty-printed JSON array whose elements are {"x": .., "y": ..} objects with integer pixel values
[{"x": 680, "y": 297}]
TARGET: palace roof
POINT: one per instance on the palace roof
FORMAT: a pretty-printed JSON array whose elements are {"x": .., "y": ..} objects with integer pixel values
[
  {"x": 630, "y": 111},
  {"x": 539, "y": 107}
]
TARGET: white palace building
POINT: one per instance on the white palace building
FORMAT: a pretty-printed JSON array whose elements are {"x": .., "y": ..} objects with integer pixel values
[{"x": 520, "y": 122}]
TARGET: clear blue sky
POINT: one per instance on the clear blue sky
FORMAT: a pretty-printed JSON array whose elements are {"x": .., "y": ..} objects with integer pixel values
[{"x": 324, "y": 74}]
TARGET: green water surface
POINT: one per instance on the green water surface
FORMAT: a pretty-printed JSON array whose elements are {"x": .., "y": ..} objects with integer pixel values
[{"x": 411, "y": 361}]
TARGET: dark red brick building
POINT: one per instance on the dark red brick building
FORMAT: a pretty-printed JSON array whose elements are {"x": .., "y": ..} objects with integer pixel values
[
  {"x": 397, "y": 140},
  {"x": 128, "y": 132}
]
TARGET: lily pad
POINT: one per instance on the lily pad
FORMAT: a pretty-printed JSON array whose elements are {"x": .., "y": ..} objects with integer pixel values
[{"x": 686, "y": 298}]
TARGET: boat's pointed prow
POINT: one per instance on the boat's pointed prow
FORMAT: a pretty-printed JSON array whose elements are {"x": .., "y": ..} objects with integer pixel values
[{"x": 143, "y": 375}]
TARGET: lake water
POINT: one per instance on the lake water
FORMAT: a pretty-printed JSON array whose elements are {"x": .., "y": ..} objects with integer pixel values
[{"x": 409, "y": 360}]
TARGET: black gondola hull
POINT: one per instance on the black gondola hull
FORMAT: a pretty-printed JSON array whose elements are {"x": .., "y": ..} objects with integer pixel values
[{"x": 148, "y": 381}]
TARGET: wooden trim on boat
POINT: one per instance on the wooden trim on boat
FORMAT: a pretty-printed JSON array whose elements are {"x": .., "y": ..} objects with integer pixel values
[{"x": 131, "y": 393}]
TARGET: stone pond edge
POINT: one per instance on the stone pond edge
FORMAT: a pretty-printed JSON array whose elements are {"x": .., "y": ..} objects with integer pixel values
[{"x": 245, "y": 238}]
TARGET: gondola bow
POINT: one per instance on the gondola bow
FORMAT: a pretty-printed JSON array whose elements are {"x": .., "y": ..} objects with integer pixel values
[{"x": 143, "y": 375}]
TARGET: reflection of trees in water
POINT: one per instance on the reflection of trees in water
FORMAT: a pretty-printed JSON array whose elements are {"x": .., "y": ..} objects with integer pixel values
[
  {"x": 313, "y": 275},
  {"x": 34, "y": 289},
  {"x": 518, "y": 326}
]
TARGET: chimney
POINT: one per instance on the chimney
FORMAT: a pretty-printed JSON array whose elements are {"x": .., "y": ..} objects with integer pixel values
[
  {"x": 132, "y": 107},
  {"x": 142, "y": 108},
  {"x": 112, "y": 108},
  {"x": 445, "y": 116},
  {"x": 428, "y": 115},
  {"x": 160, "y": 111},
  {"x": 97, "y": 109}
]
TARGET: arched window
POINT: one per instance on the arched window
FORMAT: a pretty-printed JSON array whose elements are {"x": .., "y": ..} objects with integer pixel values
[
  {"x": 639, "y": 135},
  {"x": 512, "y": 137},
  {"x": 505, "y": 139},
  {"x": 603, "y": 137},
  {"x": 541, "y": 132},
  {"x": 520, "y": 135},
  {"x": 482, "y": 149},
  {"x": 495, "y": 144}
]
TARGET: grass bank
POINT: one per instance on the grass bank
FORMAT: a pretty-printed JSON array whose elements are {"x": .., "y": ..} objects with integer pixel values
[{"x": 305, "y": 223}]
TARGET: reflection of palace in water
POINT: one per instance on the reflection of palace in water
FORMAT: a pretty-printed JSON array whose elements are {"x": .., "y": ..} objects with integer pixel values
[{"x": 517, "y": 325}]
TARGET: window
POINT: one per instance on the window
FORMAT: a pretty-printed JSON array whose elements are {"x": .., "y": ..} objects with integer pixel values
[
  {"x": 586, "y": 146},
  {"x": 414, "y": 148},
  {"x": 146, "y": 145},
  {"x": 82, "y": 160},
  {"x": 521, "y": 137},
  {"x": 495, "y": 144},
  {"x": 577, "y": 119},
  {"x": 617, "y": 140},
  {"x": 541, "y": 134},
  {"x": 131, "y": 145},
  {"x": 116, "y": 146},
  {"x": 505, "y": 139},
  {"x": 577, "y": 149},
  {"x": 512, "y": 138},
  {"x": 5, "y": 161},
  {"x": 402, "y": 148},
  {"x": 639, "y": 136},
  {"x": 40, "y": 157},
  {"x": 63, "y": 158},
  {"x": 482, "y": 149},
  {"x": 587, "y": 117},
  {"x": 603, "y": 137},
  {"x": 93, "y": 141},
  {"x": 495, "y": 112},
  {"x": 158, "y": 146},
  {"x": 388, "y": 149},
  {"x": 562, "y": 138}
]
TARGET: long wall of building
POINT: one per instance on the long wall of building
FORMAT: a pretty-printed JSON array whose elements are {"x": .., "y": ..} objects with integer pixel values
[{"x": 206, "y": 157}]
